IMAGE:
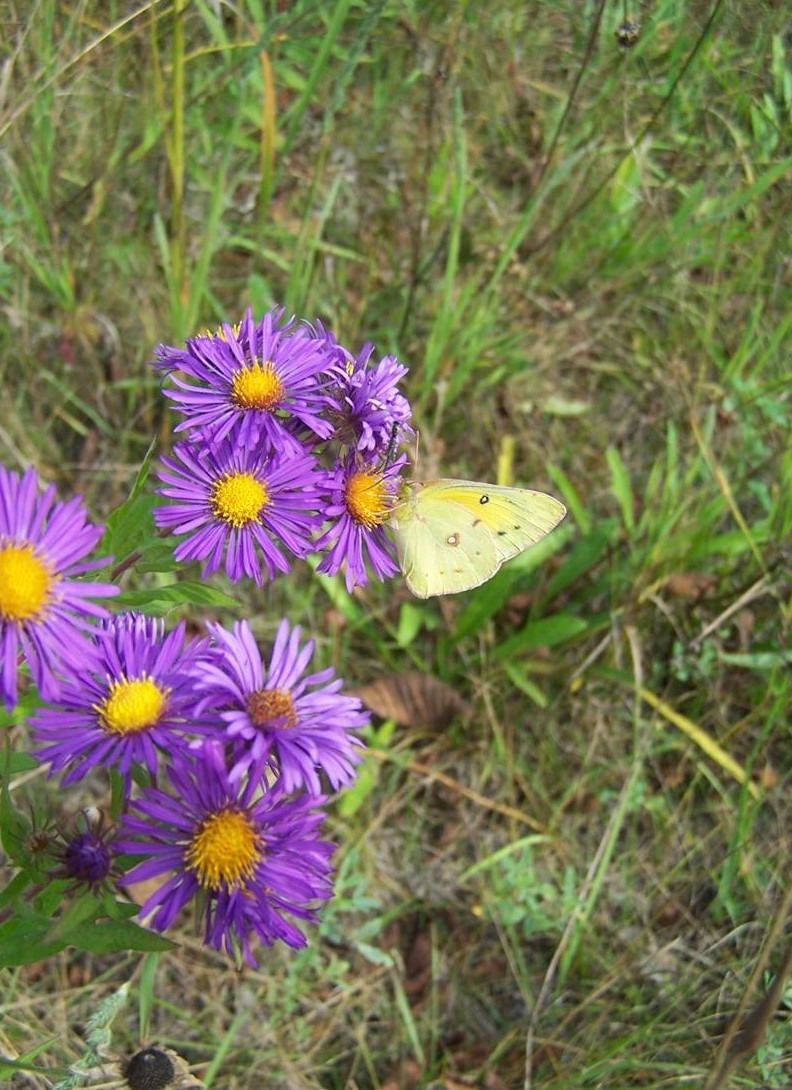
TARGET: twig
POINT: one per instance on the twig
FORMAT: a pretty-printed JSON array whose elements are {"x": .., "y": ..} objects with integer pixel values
[
  {"x": 746, "y": 1031},
  {"x": 467, "y": 792}
]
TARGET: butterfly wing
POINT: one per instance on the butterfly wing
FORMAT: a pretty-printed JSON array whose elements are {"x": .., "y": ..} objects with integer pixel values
[
  {"x": 454, "y": 535},
  {"x": 440, "y": 549}
]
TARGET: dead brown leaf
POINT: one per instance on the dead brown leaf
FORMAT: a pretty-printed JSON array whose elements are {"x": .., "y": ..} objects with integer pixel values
[
  {"x": 412, "y": 699},
  {"x": 418, "y": 963},
  {"x": 494, "y": 1082},
  {"x": 139, "y": 892},
  {"x": 691, "y": 584}
]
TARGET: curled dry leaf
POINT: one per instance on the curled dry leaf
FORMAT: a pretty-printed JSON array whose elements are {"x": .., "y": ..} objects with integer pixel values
[{"x": 412, "y": 699}]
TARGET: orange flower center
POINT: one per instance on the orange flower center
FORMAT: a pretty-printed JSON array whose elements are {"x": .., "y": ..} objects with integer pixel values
[{"x": 273, "y": 708}]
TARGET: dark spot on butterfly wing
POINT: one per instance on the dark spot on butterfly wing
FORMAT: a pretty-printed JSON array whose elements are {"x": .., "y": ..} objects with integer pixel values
[{"x": 484, "y": 499}]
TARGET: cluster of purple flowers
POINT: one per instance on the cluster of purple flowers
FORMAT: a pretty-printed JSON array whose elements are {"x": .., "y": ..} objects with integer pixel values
[
  {"x": 224, "y": 755},
  {"x": 289, "y": 449}
]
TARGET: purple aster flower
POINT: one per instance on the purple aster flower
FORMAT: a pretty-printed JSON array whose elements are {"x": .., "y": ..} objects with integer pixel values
[
  {"x": 244, "y": 504},
  {"x": 257, "y": 383},
  {"x": 43, "y": 609},
  {"x": 297, "y": 722},
  {"x": 87, "y": 858},
  {"x": 138, "y": 699},
  {"x": 363, "y": 495},
  {"x": 371, "y": 415},
  {"x": 251, "y": 858},
  {"x": 87, "y": 854}
]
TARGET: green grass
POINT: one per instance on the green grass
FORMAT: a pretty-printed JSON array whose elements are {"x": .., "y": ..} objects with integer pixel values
[{"x": 600, "y": 284}]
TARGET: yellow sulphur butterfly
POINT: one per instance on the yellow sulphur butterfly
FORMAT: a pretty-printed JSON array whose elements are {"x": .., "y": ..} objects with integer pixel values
[{"x": 454, "y": 535}]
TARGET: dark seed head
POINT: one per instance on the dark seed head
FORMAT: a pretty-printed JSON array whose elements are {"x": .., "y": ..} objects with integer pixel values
[{"x": 149, "y": 1069}]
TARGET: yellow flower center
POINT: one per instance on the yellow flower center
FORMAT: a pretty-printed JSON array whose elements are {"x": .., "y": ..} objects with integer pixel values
[
  {"x": 219, "y": 333},
  {"x": 367, "y": 499},
  {"x": 225, "y": 850},
  {"x": 134, "y": 705},
  {"x": 26, "y": 584},
  {"x": 238, "y": 498},
  {"x": 257, "y": 387},
  {"x": 272, "y": 708}
]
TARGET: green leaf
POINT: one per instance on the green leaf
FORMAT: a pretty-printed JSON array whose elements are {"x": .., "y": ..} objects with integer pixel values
[
  {"x": 14, "y": 827},
  {"x": 585, "y": 553},
  {"x": 374, "y": 954},
  {"x": 10, "y": 1067},
  {"x": 557, "y": 405},
  {"x": 354, "y": 797},
  {"x": 334, "y": 588},
  {"x": 158, "y": 600},
  {"x": 157, "y": 556},
  {"x": 571, "y": 498},
  {"x": 87, "y": 906},
  {"x": 131, "y": 523},
  {"x": 547, "y": 632},
  {"x": 525, "y": 685},
  {"x": 117, "y": 910},
  {"x": 411, "y": 621},
  {"x": 757, "y": 660},
  {"x": 15, "y": 888},
  {"x": 113, "y": 936},
  {"x": 147, "y": 991},
  {"x": 22, "y": 942},
  {"x": 625, "y": 188},
  {"x": 21, "y": 762},
  {"x": 620, "y": 484},
  {"x": 49, "y": 898}
]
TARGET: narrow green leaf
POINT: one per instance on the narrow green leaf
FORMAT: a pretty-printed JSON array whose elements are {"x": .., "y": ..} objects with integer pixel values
[
  {"x": 525, "y": 685},
  {"x": 14, "y": 827},
  {"x": 571, "y": 498},
  {"x": 548, "y": 632},
  {"x": 621, "y": 487},
  {"x": 584, "y": 555},
  {"x": 146, "y": 991}
]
